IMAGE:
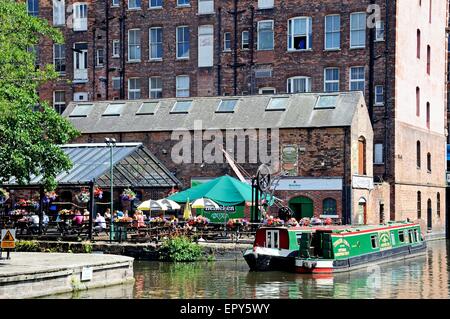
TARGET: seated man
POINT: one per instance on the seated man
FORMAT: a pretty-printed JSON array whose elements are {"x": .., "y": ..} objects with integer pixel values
[
  {"x": 34, "y": 223},
  {"x": 100, "y": 223}
]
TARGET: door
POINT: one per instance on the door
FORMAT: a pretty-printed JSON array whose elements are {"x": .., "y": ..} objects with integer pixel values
[
  {"x": 80, "y": 59},
  {"x": 362, "y": 213},
  {"x": 302, "y": 207},
  {"x": 429, "y": 215},
  {"x": 273, "y": 239}
]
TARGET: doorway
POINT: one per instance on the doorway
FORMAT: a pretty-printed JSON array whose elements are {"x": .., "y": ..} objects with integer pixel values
[
  {"x": 362, "y": 212},
  {"x": 429, "y": 215},
  {"x": 302, "y": 207}
]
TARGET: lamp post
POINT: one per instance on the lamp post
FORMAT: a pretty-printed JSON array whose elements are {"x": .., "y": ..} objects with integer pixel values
[{"x": 111, "y": 143}]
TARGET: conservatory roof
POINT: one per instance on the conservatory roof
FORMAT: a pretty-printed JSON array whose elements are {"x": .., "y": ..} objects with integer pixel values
[{"x": 134, "y": 166}]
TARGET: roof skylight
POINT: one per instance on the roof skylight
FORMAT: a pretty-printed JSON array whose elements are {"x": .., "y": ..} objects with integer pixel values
[
  {"x": 114, "y": 109},
  {"x": 227, "y": 106},
  {"x": 277, "y": 104},
  {"x": 326, "y": 102},
  {"x": 147, "y": 108},
  {"x": 181, "y": 107},
  {"x": 81, "y": 110}
]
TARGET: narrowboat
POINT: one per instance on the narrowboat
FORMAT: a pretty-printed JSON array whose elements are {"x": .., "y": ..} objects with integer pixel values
[
  {"x": 336, "y": 250},
  {"x": 275, "y": 248}
]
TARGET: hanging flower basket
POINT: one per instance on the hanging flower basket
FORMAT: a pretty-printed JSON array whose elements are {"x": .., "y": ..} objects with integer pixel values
[
  {"x": 27, "y": 203},
  {"x": 98, "y": 193},
  {"x": 128, "y": 195},
  {"x": 49, "y": 196},
  {"x": 84, "y": 196}
]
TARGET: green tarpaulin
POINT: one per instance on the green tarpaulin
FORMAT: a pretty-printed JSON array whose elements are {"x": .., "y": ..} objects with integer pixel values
[{"x": 225, "y": 191}]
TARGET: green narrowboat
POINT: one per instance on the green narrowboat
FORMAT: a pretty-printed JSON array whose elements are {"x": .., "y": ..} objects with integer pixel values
[
  {"x": 275, "y": 248},
  {"x": 346, "y": 248}
]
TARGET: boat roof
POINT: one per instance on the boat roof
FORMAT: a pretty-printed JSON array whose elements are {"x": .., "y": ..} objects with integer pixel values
[{"x": 348, "y": 229}]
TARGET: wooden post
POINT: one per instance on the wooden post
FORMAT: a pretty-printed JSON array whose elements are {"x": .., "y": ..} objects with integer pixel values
[
  {"x": 91, "y": 208},
  {"x": 41, "y": 207}
]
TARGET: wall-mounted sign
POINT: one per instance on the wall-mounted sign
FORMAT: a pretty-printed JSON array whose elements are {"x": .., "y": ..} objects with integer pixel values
[
  {"x": 86, "y": 273},
  {"x": 309, "y": 184},
  {"x": 8, "y": 239}
]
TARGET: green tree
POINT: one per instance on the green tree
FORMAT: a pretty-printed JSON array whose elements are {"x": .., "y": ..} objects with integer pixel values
[{"x": 30, "y": 130}]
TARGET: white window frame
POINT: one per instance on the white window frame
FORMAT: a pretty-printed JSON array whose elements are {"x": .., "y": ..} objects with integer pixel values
[
  {"x": 259, "y": 35},
  {"x": 358, "y": 80},
  {"x": 97, "y": 57},
  {"x": 182, "y": 89},
  {"x": 291, "y": 36},
  {"x": 57, "y": 105},
  {"x": 59, "y": 12},
  {"x": 332, "y": 33},
  {"x": 136, "y": 3},
  {"x": 115, "y": 3},
  {"x": 154, "y": 7},
  {"x": 353, "y": 29},
  {"x": 290, "y": 83},
  {"x": 265, "y": 4},
  {"x": 134, "y": 91},
  {"x": 188, "y": 4},
  {"x": 379, "y": 30},
  {"x": 205, "y": 46},
  {"x": 375, "y": 95},
  {"x": 274, "y": 90},
  {"x": 80, "y": 23},
  {"x": 205, "y": 6},
  {"x": 325, "y": 81},
  {"x": 185, "y": 27},
  {"x": 63, "y": 58},
  {"x": 225, "y": 49},
  {"x": 116, "y": 78},
  {"x": 137, "y": 45},
  {"x": 378, "y": 147},
  {"x": 114, "y": 53},
  {"x": 154, "y": 90},
  {"x": 155, "y": 43},
  {"x": 247, "y": 42}
]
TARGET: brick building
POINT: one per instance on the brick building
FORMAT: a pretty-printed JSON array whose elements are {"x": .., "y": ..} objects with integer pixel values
[
  {"x": 324, "y": 142},
  {"x": 178, "y": 48}
]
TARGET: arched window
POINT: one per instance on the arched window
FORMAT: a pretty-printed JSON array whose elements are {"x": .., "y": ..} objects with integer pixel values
[
  {"x": 418, "y": 101},
  {"x": 428, "y": 59},
  {"x": 362, "y": 169},
  {"x": 438, "y": 205},
  {"x": 329, "y": 206},
  {"x": 419, "y": 205},
  {"x": 418, "y": 154},
  {"x": 428, "y": 115},
  {"x": 429, "y": 162},
  {"x": 429, "y": 215}
]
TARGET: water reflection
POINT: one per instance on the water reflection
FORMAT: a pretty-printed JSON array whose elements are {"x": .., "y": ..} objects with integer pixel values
[{"x": 421, "y": 277}]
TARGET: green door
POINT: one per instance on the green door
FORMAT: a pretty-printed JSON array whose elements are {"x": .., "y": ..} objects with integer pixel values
[{"x": 302, "y": 207}]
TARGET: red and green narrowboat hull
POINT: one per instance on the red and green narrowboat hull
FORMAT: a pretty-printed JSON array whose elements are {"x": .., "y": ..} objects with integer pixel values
[{"x": 333, "y": 251}]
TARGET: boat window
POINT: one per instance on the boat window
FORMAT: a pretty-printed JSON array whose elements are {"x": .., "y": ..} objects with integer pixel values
[
  {"x": 276, "y": 244},
  {"x": 299, "y": 238},
  {"x": 374, "y": 240},
  {"x": 269, "y": 239},
  {"x": 401, "y": 236},
  {"x": 393, "y": 239},
  {"x": 416, "y": 233},
  {"x": 411, "y": 237}
]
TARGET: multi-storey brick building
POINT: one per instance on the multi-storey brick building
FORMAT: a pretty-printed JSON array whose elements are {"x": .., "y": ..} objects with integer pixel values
[{"x": 178, "y": 48}]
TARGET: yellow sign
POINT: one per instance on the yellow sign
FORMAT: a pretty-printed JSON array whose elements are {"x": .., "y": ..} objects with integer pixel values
[{"x": 8, "y": 239}]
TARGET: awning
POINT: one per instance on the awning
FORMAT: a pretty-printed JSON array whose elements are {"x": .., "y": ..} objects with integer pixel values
[{"x": 134, "y": 166}]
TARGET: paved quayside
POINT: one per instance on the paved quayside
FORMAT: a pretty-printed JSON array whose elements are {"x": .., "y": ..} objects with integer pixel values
[{"x": 28, "y": 275}]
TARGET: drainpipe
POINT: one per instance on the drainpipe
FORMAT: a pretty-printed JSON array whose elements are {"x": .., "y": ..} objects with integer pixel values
[
  {"x": 235, "y": 16},
  {"x": 371, "y": 68},
  {"x": 122, "y": 51},
  {"x": 252, "y": 45},
  {"x": 107, "y": 48},
  {"x": 94, "y": 53},
  {"x": 219, "y": 51},
  {"x": 346, "y": 192}
]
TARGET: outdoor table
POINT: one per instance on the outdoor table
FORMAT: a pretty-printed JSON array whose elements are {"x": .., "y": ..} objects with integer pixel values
[{"x": 120, "y": 231}]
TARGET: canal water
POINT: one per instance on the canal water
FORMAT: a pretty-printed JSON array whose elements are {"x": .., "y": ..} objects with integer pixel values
[{"x": 420, "y": 277}]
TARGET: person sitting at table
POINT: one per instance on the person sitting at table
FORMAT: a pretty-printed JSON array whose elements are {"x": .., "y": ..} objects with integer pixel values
[
  {"x": 86, "y": 215},
  {"x": 108, "y": 213},
  {"x": 34, "y": 223},
  {"x": 139, "y": 218},
  {"x": 119, "y": 213},
  {"x": 78, "y": 219},
  {"x": 100, "y": 223}
]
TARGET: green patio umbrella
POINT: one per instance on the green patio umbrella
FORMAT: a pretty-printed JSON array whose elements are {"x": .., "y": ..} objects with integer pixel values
[{"x": 225, "y": 191}]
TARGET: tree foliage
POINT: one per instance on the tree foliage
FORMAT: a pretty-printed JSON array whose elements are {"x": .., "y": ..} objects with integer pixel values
[{"x": 30, "y": 130}]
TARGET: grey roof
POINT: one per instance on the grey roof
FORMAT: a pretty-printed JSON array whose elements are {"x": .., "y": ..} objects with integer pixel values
[
  {"x": 134, "y": 166},
  {"x": 250, "y": 112}
]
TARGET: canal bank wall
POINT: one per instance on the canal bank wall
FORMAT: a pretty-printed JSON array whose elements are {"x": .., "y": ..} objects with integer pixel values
[
  {"x": 34, "y": 274},
  {"x": 138, "y": 251}
]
